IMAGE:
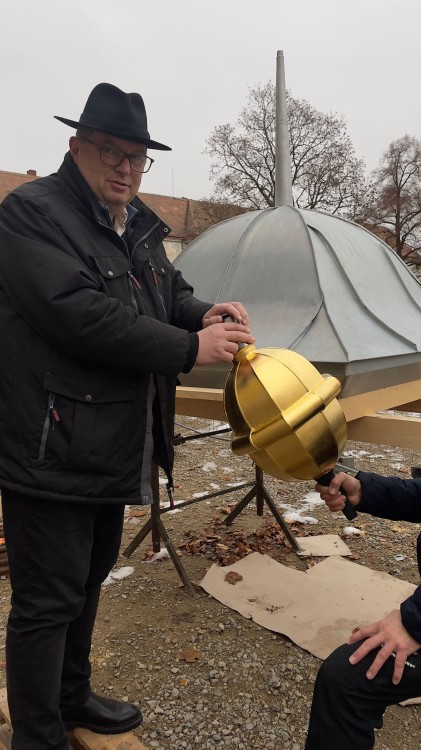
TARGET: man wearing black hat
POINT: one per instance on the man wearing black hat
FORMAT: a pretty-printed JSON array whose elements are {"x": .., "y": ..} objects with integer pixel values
[{"x": 95, "y": 325}]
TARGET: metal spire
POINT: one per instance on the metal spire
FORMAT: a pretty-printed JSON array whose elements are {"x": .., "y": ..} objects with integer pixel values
[{"x": 283, "y": 184}]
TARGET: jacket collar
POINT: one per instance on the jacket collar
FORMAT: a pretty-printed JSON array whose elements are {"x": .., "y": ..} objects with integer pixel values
[{"x": 85, "y": 199}]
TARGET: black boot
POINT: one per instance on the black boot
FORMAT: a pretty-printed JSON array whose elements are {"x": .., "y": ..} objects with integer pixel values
[{"x": 103, "y": 715}]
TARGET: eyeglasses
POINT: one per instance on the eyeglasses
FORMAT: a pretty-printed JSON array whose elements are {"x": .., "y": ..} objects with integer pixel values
[{"x": 113, "y": 157}]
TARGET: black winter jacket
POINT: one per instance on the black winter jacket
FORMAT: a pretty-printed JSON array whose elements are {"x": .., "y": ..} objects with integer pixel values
[
  {"x": 398, "y": 500},
  {"x": 85, "y": 318}
]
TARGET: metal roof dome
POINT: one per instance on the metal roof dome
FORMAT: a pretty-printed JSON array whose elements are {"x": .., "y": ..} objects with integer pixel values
[
  {"x": 317, "y": 284},
  {"x": 312, "y": 282}
]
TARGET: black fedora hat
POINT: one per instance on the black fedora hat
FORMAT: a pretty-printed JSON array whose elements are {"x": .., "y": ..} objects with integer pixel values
[{"x": 112, "y": 111}]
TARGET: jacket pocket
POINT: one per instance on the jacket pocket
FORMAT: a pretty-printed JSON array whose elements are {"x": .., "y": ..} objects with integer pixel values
[
  {"x": 85, "y": 422},
  {"x": 114, "y": 273},
  {"x": 112, "y": 266}
]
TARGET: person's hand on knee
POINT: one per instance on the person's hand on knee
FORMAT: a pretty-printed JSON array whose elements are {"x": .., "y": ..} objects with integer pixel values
[{"x": 393, "y": 640}]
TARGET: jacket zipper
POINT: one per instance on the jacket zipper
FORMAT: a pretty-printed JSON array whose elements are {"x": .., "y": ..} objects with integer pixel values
[
  {"x": 156, "y": 282},
  {"x": 141, "y": 239},
  {"x": 51, "y": 418},
  {"x": 136, "y": 284},
  {"x": 145, "y": 236},
  {"x": 134, "y": 281}
]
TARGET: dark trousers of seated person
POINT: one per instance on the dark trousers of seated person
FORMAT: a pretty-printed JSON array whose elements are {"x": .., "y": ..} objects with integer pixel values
[
  {"x": 59, "y": 553},
  {"x": 347, "y": 707}
]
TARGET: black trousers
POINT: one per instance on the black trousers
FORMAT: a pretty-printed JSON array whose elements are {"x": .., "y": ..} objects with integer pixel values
[
  {"x": 59, "y": 554},
  {"x": 347, "y": 707}
]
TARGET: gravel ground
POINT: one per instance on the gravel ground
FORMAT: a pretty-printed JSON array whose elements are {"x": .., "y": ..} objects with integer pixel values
[{"x": 205, "y": 677}]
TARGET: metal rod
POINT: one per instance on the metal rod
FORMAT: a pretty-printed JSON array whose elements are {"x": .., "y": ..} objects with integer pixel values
[
  {"x": 188, "y": 586},
  {"x": 138, "y": 539},
  {"x": 283, "y": 182},
  {"x": 282, "y": 523},
  {"x": 241, "y": 505},
  {"x": 184, "y": 438},
  {"x": 207, "y": 496},
  {"x": 148, "y": 526},
  {"x": 347, "y": 469},
  {"x": 155, "y": 509},
  {"x": 261, "y": 494}
]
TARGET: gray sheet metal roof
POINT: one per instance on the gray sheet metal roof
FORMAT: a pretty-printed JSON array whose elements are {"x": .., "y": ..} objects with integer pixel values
[{"x": 315, "y": 283}]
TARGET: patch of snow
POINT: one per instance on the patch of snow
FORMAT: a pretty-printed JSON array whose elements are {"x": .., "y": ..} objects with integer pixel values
[
  {"x": 292, "y": 517},
  {"x": 161, "y": 555},
  {"x": 117, "y": 575},
  {"x": 312, "y": 499},
  {"x": 351, "y": 531},
  {"x": 209, "y": 466},
  {"x": 309, "y": 501}
]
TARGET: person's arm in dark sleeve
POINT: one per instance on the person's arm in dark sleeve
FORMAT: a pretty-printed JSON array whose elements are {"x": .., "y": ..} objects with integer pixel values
[
  {"x": 61, "y": 299},
  {"x": 411, "y": 614},
  {"x": 395, "y": 499},
  {"x": 390, "y": 497},
  {"x": 187, "y": 310}
]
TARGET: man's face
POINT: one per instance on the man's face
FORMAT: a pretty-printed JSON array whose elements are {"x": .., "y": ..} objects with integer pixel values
[{"x": 114, "y": 186}]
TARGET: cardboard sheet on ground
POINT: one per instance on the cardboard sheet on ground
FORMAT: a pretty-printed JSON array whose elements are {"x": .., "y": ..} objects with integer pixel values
[
  {"x": 316, "y": 609},
  {"x": 322, "y": 546}
]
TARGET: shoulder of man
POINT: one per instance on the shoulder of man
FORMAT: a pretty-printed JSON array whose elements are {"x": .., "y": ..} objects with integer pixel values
[{"x": 38, "y": 188}]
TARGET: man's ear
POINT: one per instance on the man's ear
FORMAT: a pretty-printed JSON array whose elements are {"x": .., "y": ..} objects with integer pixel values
[{"x": 74, "y": 146}]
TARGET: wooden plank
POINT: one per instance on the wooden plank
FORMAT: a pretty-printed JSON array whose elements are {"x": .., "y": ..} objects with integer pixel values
[
  {"x": 383, "y": 429},
  {"x": 83, "y": 739},
  {"x": 414, "y": 406},
  {"x": 365, "y": 404},
  {"x": 207, "y": 403},
  {"x": 5, "y": 728},
  {"x": 80, "y": 739},
  {"x": 4, "y": 706},
  {"x": 363, "y": 423},
  {"x": 5, "y": 737}
]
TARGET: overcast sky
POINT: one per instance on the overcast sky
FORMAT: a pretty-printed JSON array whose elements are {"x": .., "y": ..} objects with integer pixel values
[{"x": 194, "y": 62}]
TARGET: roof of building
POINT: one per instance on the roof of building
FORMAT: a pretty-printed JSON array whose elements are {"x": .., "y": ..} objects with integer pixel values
[
  {"x": 187, "y": 218},
  {"x": 11, "y": 180}
]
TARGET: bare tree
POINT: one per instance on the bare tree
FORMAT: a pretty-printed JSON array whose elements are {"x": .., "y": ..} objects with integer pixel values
[
  {"x": 325, "y": 171},
  {"x": 396, "y": 200},
  {"x": 214, "y": 211}
]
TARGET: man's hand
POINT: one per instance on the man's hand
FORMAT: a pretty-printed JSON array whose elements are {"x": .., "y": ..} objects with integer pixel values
[
  {"x": 219, "y": 342},
  {"x": 235, "y": 310},
  {"x": 333, "y": 496},
  {"x": 390, "y": 635}
]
